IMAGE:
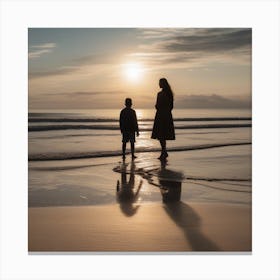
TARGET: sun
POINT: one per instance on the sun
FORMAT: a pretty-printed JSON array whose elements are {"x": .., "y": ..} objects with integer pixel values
[{"x": 133, "y": 71}]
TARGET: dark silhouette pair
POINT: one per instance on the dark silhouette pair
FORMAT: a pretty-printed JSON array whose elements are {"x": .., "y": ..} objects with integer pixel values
[{"x": 163, "y": 127}]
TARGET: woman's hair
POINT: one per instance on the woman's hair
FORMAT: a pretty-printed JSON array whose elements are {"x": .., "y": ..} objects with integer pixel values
[{"x": 166, "y": 87}]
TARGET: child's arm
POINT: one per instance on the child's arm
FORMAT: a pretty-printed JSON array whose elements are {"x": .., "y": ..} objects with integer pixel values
[
  {"x": 136, "y": 124},
  {"x": 121, "y": 122}
]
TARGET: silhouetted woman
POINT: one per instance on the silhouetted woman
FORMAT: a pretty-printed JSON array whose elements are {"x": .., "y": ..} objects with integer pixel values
[{"x": 163, "y": 128}]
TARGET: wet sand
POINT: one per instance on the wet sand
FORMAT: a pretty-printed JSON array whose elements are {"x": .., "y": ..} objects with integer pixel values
[
  {"x": 145, "y": 205},
  {"x": 154, "y": 227}
]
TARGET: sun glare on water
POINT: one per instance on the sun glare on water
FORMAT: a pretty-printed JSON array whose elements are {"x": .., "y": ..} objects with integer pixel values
[{"x": 133, "y": 72}]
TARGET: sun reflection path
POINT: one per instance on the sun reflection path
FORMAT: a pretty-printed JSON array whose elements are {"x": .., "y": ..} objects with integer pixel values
[
  {"x": 140, "y": 114},
  {"x": 145, "y": 114}
]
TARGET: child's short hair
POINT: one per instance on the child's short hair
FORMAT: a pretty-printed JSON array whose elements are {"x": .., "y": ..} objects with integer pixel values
[{"x": 128, "y": 102}]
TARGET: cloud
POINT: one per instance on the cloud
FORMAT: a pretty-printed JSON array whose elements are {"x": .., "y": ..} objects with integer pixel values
[
  {"x": 115, "y": 100},
  {"x": 44, "y": 46},
  {"x": 83, "y": 65},
  {"x": 159, "y": 33},
  {"x": 100, "y": 58},
  {"x": 212, "y": 101},
  {"x": 210, "y": 41},
  {"x": 195, "y": 47},
  {"x": 38, "y": 50},
  {"x": 83, "y": 100},
  {"x": 55, "y": 72},
  {"x": 85, "y": 93}
]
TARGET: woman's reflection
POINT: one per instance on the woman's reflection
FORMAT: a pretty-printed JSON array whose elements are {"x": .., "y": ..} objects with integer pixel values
[
  {"x": 184, "y": 216},
  {"x": 170, "y": 183}
]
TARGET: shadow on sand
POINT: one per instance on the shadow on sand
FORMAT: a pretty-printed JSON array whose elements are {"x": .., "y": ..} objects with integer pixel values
[
  {"x": 182, "y": 214},
  {"x": 126, "y": 196}
]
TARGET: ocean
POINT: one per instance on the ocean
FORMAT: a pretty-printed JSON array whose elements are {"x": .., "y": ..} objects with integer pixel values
[
  {"x": 59, "y": 135},
  {"x": 74, "y": 155}
]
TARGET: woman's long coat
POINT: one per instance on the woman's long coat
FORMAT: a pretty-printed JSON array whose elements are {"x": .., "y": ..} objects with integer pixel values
[{"x": 163, "y": 128}]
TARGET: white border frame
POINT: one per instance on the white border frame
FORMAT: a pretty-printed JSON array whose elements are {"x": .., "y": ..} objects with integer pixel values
[{"x": 17, "y": 16}]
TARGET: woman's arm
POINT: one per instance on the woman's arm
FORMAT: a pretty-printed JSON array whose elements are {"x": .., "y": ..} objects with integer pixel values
[
  {"x": 171, "y": 104},
  {"x": 157, "y": 103}
]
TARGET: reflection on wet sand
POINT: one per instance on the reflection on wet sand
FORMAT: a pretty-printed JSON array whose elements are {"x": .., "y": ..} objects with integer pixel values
[
  {"x": 182, "y": 214},
  {"x": 170, "y": 183},
  {"x": 126, "y": 196}
]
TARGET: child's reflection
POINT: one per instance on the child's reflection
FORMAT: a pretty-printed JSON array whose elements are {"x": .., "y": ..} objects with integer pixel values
[{"x": 125, "y": 190}]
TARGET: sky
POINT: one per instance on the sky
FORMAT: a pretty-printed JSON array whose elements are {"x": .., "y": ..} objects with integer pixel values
[{"x": 89, "y": 68}]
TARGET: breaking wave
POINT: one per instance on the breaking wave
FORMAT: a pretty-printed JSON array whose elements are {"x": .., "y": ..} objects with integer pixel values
[{"x": 84, "y": 155}]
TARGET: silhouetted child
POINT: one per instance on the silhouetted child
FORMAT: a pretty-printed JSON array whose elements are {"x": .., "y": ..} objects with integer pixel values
[{"x": 128, "y": 126}]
